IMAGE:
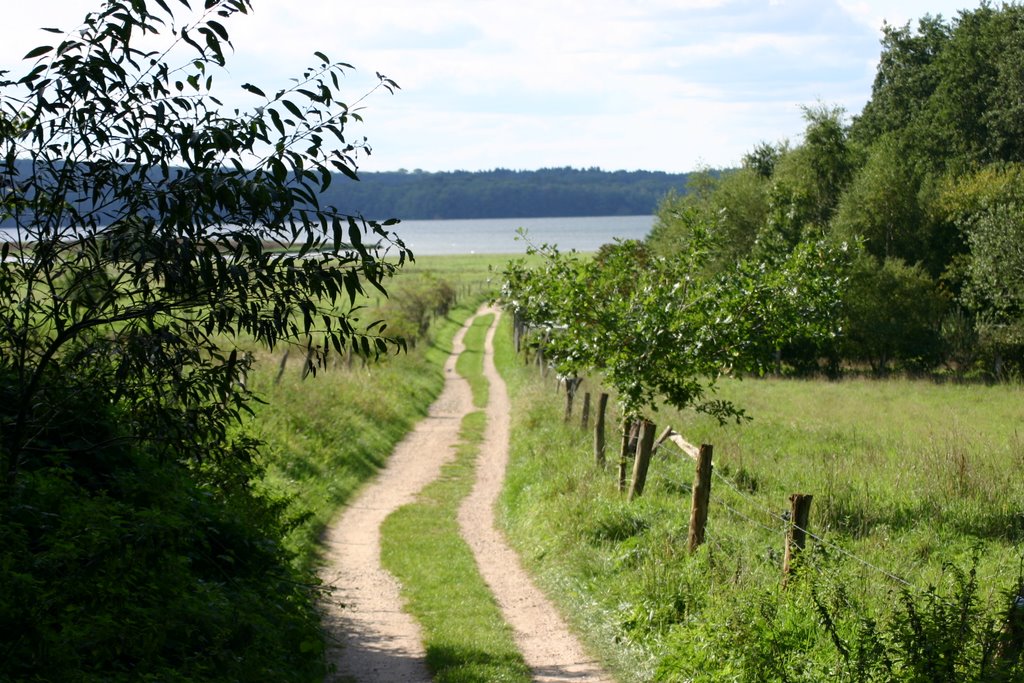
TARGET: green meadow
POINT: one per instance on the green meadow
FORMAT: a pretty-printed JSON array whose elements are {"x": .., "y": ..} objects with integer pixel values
[
  {"x": 916, "y": 520},
  {"x": 917, "y": 510}
]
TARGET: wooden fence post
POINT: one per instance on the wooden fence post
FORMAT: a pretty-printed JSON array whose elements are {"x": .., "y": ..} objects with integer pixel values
[
  {"x": 701, "y": 498},
  {"x": 629, "y": 428},
  {"x": 602, "y": 405},
  {"x": 585, "y": 417},
  {"x": 571, "y": 385},
  {"x": 796, "y": 536},
  {"x": 642, "y": 460}
]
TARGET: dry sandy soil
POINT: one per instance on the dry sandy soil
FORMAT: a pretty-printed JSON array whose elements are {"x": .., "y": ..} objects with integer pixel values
[{"x": 373, "y": 639}]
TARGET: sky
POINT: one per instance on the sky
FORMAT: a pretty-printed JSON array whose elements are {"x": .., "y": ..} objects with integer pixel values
[{"x": 660, "y": 85}]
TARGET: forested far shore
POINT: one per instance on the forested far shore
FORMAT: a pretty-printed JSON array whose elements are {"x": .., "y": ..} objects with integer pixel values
[
  {"x": 498, "y": 193},
  {"x": 504, "y": 193}
]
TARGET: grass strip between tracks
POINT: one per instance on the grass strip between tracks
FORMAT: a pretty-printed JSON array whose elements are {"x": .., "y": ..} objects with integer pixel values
[{"x": 465, "y": 636}]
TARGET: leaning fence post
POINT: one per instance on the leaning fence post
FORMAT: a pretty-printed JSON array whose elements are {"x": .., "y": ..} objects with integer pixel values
[
  {"x": 629, "y": 427},
  {"x": 585, "y": 416},
  {"x": 796, "y": 536},
  {"x": 701, "y": 498},
  {"x": 642, "y": 460},
  {"x": 602, "y": 405}
]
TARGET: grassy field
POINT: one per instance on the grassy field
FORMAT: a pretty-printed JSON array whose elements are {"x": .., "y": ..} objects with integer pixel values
[{"x": 916, "y": 500}]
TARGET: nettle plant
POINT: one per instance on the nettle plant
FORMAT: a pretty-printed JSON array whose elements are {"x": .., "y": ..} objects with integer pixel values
[{"x": 150, "y": 228}]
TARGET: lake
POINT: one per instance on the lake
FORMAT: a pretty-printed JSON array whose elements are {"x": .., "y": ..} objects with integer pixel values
[{"x": 498, "y": 235}]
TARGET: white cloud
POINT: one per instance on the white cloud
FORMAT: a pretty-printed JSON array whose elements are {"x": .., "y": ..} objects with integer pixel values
[{"x": 618, "y": 83}]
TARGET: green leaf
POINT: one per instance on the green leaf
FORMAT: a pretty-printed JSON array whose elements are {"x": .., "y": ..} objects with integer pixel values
[
  {"x": 292, "y": 108},
  {"x": 253, "y": 89},
  {"x": 355, "y": 235},
  {"x": 345, "y": 170},
  {"x": 38, "y": 52},
  {"x": 219, "y": 28},
  {"x": 276, "y": 118}
]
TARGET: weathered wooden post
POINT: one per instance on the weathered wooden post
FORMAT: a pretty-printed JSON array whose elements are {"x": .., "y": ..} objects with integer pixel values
[
  {"x": 585, "y": 416},
  {"x": 796, "y": 536},
  {"x": 662, "y": 439},
  {"x": 701, "y": 498},
  {"x": 629, "y": 427},
  {"x": 571, "y": 385},
  {"x": 602, "y": 405},
  {"x": 634, "y": 436},
  {"x": 642, "y": 460}
]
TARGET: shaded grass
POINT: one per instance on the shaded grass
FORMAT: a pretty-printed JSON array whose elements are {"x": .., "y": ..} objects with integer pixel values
[
  {"x": 908, "y": 476},
  {"x": 465, "y": 636}
]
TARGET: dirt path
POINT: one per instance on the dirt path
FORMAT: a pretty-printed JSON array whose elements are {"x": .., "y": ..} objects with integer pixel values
[
  {"x": 374, "y": 640},
  {"x": 371, "y": 638},
  {"x": 551, "y": 651}
]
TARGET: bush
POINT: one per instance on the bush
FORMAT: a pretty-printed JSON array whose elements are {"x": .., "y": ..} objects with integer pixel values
[{"x": 117, "y": 565}]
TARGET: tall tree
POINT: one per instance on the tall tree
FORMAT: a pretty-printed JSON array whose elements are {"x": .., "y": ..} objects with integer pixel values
[
  {"x": 153, "y": 233},
  {"x": 145, "y": 221}
]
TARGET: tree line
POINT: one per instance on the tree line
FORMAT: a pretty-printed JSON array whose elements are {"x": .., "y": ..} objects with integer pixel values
[
  {"x": 925, "y": 184},
  {"x": 498, "y": 193},
  {"x": 504, "y": 193}
]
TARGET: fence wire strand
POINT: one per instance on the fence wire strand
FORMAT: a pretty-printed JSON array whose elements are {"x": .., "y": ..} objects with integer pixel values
[{"x": 786, "y": 523}]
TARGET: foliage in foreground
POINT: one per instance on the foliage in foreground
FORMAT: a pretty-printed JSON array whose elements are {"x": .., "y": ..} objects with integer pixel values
[
  {"x": 150, "y": 239},
  {"x": 119, "y": 566}
]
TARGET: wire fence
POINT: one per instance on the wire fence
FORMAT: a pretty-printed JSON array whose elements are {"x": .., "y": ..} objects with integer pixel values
[{"x": 785, "y": 523}]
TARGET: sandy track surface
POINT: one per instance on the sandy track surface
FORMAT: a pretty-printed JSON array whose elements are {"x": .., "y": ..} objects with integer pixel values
[
  {"x": 373, "y": 639},
  {"x": 551, "y": 651}
]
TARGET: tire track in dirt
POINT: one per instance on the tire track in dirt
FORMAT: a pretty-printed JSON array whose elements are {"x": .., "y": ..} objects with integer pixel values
[
  {"x": 370, "y": 637},
  {"x": 549, "y": 648}
]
